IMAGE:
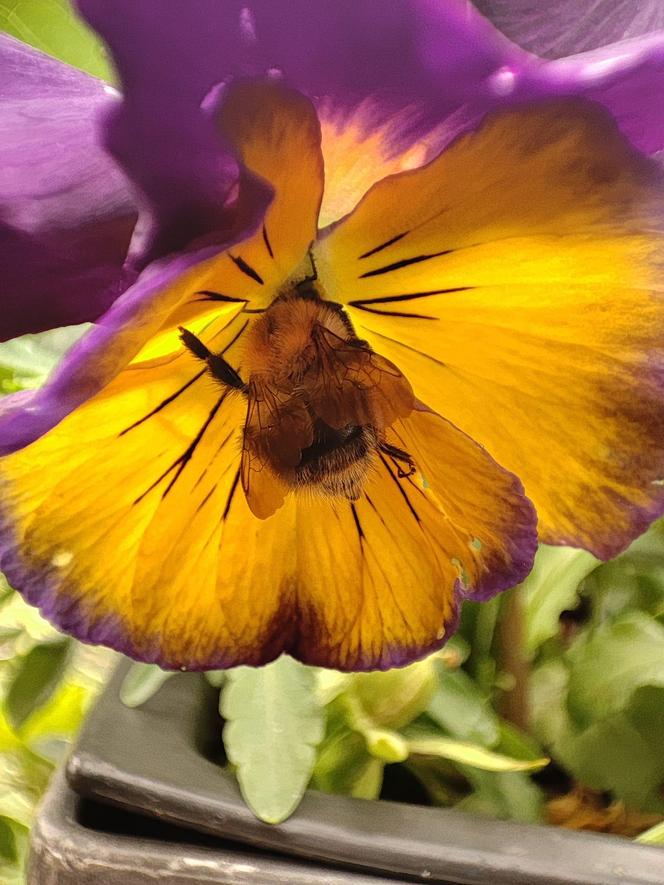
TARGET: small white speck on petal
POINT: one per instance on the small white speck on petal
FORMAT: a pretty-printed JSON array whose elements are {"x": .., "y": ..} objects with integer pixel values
[
  {"x": 503, "y": 81},
  {"x": 247, "y": 25},
  {"x": 62, "y": 558},
  {"x": 111, "y": 90}
]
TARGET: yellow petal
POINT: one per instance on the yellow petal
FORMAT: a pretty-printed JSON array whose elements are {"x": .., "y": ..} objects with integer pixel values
[
  {"x": 380, "y": 580},
  {"x": 128, "y": 527},
  {"x": 275, "y": 134},
  {"x": 516, "y": 282}
]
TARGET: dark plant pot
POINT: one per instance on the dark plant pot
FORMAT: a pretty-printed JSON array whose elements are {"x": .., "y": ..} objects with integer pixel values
[{"x": 149, "y": 802}]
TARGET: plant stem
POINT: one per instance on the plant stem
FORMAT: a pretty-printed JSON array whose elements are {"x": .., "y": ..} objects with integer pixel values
[{"x": 511, "y": 658}]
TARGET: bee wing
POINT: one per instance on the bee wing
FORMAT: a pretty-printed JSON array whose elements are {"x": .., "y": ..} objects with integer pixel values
[
  {"x": 350, "y": 384},
  {"x": 277, "y": 428}
]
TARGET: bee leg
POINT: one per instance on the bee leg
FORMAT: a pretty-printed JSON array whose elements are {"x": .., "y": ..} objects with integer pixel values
[
  {"x": 306, "y": 288},
  {"x": 399, "y": 457},
  {"x": 217, "y": 365}
]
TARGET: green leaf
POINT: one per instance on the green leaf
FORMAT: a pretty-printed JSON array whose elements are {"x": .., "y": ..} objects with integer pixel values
[
  {"x": 344, "y": 764},
  {"x": 60, "y": 717},
  {"x": 273, "y": 725},
  {"x": 393, "y": 698},
  {"x": 622, "y": 752},
  {"x": 517, "y": 744},
  {"x": 6, "y": 592},
  {"x": 53, "y": 27},
  {"x": 23, "y": 778},
  {"x": 8, "y": 851},
  {"x": 463, "y": 710},
  {"x": 38, "y": 675},
  {"x": 611, "y": 662},
  {"x": 612, "y": 755},
  {"x": 472, "y": 755},
  {"x": 548, "y": 701},
  {"x": 634, "y": 580},
  {"x": 34, "y": 356},
  {"x": 141, "y": 682},
  {"x": 550, "y": 589},
  {"x": 511, "y": 796},
  {"x": 216, "y": 678},
  {"x": 653, "y": 836},
  {"x": 14, "y": 852}
]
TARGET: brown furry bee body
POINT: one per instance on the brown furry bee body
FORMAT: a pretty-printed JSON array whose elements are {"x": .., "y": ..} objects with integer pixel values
[{"x": 318, "y": 401}]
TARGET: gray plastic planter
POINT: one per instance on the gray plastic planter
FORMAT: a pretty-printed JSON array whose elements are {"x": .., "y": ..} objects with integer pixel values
[{"x": 182, "y": 820}]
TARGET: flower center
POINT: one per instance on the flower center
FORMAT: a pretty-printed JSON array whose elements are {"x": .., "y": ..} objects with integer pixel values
[{"x": 319, "y": 399}]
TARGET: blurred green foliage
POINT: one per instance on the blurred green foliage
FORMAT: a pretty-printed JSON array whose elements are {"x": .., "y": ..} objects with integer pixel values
[
  {"x": 46, "y": 684},
  {"x": 47, "y": 680},
  {"x": 54, "y": 28}
]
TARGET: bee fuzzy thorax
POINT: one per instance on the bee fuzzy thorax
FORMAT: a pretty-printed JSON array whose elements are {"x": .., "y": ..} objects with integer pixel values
[{"x": 280, "y": 344}]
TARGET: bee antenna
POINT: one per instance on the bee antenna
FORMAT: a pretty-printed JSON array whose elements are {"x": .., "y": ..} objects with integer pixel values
[
  {"x": 217, "y": 365},
  {"x": 314, "y": 269},
  {"x": 194, "y": 344},
  {"x": 310, "y": 277}
]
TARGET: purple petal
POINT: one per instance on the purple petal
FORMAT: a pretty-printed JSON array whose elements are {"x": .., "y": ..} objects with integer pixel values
[
  {"x": 419, "y": 62},
  {"x": 422, "y": 55},
  {"x": 107, "y": 348},
  {"x": 160, "y": 134},
  {"x": 402, "y": 51},
  {"x": 627, "y": 78},
  {"x": 66, "y": 215},
  {"x": 570, "y": 26},
  {"x": 99, "y": 355}
]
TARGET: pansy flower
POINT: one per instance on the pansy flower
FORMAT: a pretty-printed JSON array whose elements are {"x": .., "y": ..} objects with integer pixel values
[{"x": 391, "y": 307}]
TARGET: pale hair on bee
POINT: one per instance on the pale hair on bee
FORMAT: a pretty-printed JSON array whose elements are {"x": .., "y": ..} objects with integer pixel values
[{"x": 319, "y": 400}]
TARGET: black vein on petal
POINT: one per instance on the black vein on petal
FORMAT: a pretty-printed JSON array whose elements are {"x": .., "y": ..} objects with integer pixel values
[
  {"x": 181, "y": 462},
  {"x": 218, "y": 296},
  {"x": 358, "y": 524},
  {"x": 395, "y": 313},
  {"x": 407, "y": 296},
  {"x": 231, "y": 494},
  {"x": 401, "y": 489},
  {"x": 384, "y": 245},
  {"x": 165, "y": 402},
  {"x": 266, "y": 240},
  {"x": 405, "y": 262},
  {"x": 246, "y": 269}
]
